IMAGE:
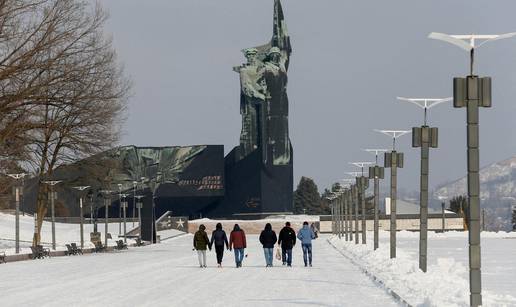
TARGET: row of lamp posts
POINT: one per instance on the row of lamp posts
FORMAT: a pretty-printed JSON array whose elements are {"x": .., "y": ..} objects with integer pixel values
[
  {"x": 471, "y": 93},
  {"x": 18, "y": 194}
]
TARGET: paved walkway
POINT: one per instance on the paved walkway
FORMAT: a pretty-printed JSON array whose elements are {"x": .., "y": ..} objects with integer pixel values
[{"x": 168, "y": 275}]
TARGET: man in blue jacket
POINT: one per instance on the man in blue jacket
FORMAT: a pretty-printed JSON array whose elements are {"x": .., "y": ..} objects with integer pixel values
[{"x": 306, "y": 235}]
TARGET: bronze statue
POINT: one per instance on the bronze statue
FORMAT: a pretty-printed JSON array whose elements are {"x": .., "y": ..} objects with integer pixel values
[{"x": 263, "y": 97}]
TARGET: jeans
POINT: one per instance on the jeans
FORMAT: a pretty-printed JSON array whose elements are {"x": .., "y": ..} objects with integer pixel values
[
  {"x": 268, "y": 252},
  {"x": 239, "y": 255},
  {"x": 201, "y": 254},
  {"x": 307, "y": 251},
  {"x": 286, "y": 256},
  {"x": 219, "y": 250}
]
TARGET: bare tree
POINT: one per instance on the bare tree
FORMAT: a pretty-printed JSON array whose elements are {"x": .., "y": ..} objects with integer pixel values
[{"x": 62, "y": 91}]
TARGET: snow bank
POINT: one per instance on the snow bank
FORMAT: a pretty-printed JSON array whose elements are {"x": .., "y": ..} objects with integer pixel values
[
  {"x": 65, "y": 234},
  {"x": 443, "y": 285}
]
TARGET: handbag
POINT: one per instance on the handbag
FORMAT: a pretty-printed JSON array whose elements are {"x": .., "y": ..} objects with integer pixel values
[{"x": 278, "y": 254}]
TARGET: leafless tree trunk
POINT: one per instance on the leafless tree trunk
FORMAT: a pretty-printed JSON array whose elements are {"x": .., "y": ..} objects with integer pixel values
[{"x": 62, "y": 91}]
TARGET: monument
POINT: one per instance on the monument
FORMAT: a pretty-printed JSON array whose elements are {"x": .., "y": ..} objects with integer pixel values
[
  {"x": 259, "y": 172},
  {"x": 255, "y": 179}
]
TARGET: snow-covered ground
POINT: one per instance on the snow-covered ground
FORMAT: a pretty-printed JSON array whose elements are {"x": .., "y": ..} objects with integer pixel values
[
  {"x": 65, "y": 233},
  {"x": 167, "y": 274},
  {"x": 446, "y": 281}
]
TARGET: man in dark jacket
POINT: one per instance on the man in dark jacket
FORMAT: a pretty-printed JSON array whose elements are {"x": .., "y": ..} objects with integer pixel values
[
  {"x": 268, "y": 239},
  {"x": 201, "y": 243},
  {"x": 219, "y": 238},
  {"x": 287, "y": 240}
]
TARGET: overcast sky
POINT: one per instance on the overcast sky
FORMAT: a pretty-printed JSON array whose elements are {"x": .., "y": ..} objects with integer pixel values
[{"x": 350, "y": 60}]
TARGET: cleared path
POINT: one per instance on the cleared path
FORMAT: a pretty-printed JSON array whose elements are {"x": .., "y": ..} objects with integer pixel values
[{"x": 168, "y": 275}]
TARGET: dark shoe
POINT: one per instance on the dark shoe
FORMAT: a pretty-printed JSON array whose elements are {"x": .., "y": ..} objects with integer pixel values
[
  {"x": 290, "y": 265},
  {"x": 310, "y": 265},
  {"x": 284, "y": 263},
  {"x": 305, "y": 265}
]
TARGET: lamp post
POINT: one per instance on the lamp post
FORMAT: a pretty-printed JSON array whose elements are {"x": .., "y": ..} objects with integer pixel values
[
  {"x": 345, "y": 204},
  {"x": 354, "y": 197},
  {"x": 120, "y": 209},
  {"x": 80, "y": 189},
  {"x": 472, "y": 92},
  {"x": 123, "y": 203},
  {"x": 424, "y": 137},
  {"x": 349, "y": 201},
  {"x": 376, "y": 172},
  {"x": 443, "y": 205},
  {"x": 52, "y": 183},
  {"x": 107, "y": 202},
  {"x": 363, "y": 184},
  {"x": 18, "y": 193},
  {"x": 393, "y": 160},
  {"x": 135, "y": 185}
]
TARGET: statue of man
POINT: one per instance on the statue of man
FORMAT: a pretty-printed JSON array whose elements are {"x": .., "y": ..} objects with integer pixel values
[
  {"x": 251, "y": 98},
  {"x": 275, "y": 76}
]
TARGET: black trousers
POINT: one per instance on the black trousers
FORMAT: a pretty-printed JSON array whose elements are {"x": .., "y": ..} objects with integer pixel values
[{"x": 220, "y": 253}]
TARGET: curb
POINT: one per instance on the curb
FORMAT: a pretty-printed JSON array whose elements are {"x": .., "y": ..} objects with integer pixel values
[
  {"x": 25, "y": 257},
  {"x": 375, "y": 279},
  {"x": 172, "y": 237}
]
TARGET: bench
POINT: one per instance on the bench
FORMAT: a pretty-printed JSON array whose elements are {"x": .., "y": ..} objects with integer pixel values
[
  {"x": 39, "y": 252},
  {"x": 139, "y": 242},
  {"x": 76, "y": 250},
  {"x": 2, "y": 257},
  {"x": 99, "y": 247},
  {"x": 120, "y": 245},
  {"x": 69, "y": 250}
]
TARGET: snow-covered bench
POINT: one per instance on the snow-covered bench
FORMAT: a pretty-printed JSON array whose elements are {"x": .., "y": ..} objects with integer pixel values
[
  {"x": 120, "y": 245},
  {"x": 40, "y": 252}
]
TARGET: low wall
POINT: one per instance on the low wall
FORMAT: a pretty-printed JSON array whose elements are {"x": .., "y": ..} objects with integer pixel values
[
  {"x": 411, "y": 224},
  {"x": 249, "y": 226}
]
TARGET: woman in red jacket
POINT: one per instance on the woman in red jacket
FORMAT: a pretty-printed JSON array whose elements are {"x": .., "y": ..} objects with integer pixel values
[{"x": 238, "y": 243}]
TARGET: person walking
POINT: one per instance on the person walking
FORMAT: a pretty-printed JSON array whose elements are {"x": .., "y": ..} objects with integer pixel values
[
  {"x": 238, "y": 243},
  {"x": 268, "y": 238},
  {"x": 287, "y": 241},
  {"x": 201, "y": 243},
  {"x": 218, "y": 239},
  {"x": 315, "y": 230},
  {"x": 306, "y": 235}
]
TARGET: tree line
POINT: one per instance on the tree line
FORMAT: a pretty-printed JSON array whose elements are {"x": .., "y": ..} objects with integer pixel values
[{"x": 63, "y": 92}]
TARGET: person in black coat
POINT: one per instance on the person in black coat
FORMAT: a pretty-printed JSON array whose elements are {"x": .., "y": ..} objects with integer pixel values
[
  {"x": 268, "y": 238},
  {"x": 287, "y": 240},
  {"x": 219, "y": 238}
]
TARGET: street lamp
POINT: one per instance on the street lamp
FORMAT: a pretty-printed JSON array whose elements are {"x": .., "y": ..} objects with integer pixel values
[
  {"x": 52, "y": 183},
  {"x": 123, "y": 203},
  {"x": 472, "y": 92},
  {"x": 393, "y": 160},
  {"x": 376, "y": 172},
  {"x": 135, "y": 186},
  {"x": 363, "y": 184},
  {"x": 107, "y": 202},
  {"x": 443, "y": 205},
  {"x": 80, "y": 189},
  {"x": 424, "y": 137},
  {"x": 355, "y": 200},
  {"x": 18, "y": 193},
  {"x": 120, "y": 209},
  {"x": 346, "y": 208}
]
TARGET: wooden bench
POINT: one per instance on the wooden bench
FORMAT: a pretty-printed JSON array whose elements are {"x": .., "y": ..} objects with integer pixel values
[
  {"x": 76, "y": 250},
  {"x": 120, "y": 245},
  {"x": 69, "y": 250},
  {"x": 99, "y": 247},
  {"x": 139, "y": 242},
  {"x": 39, "y": 252}
]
